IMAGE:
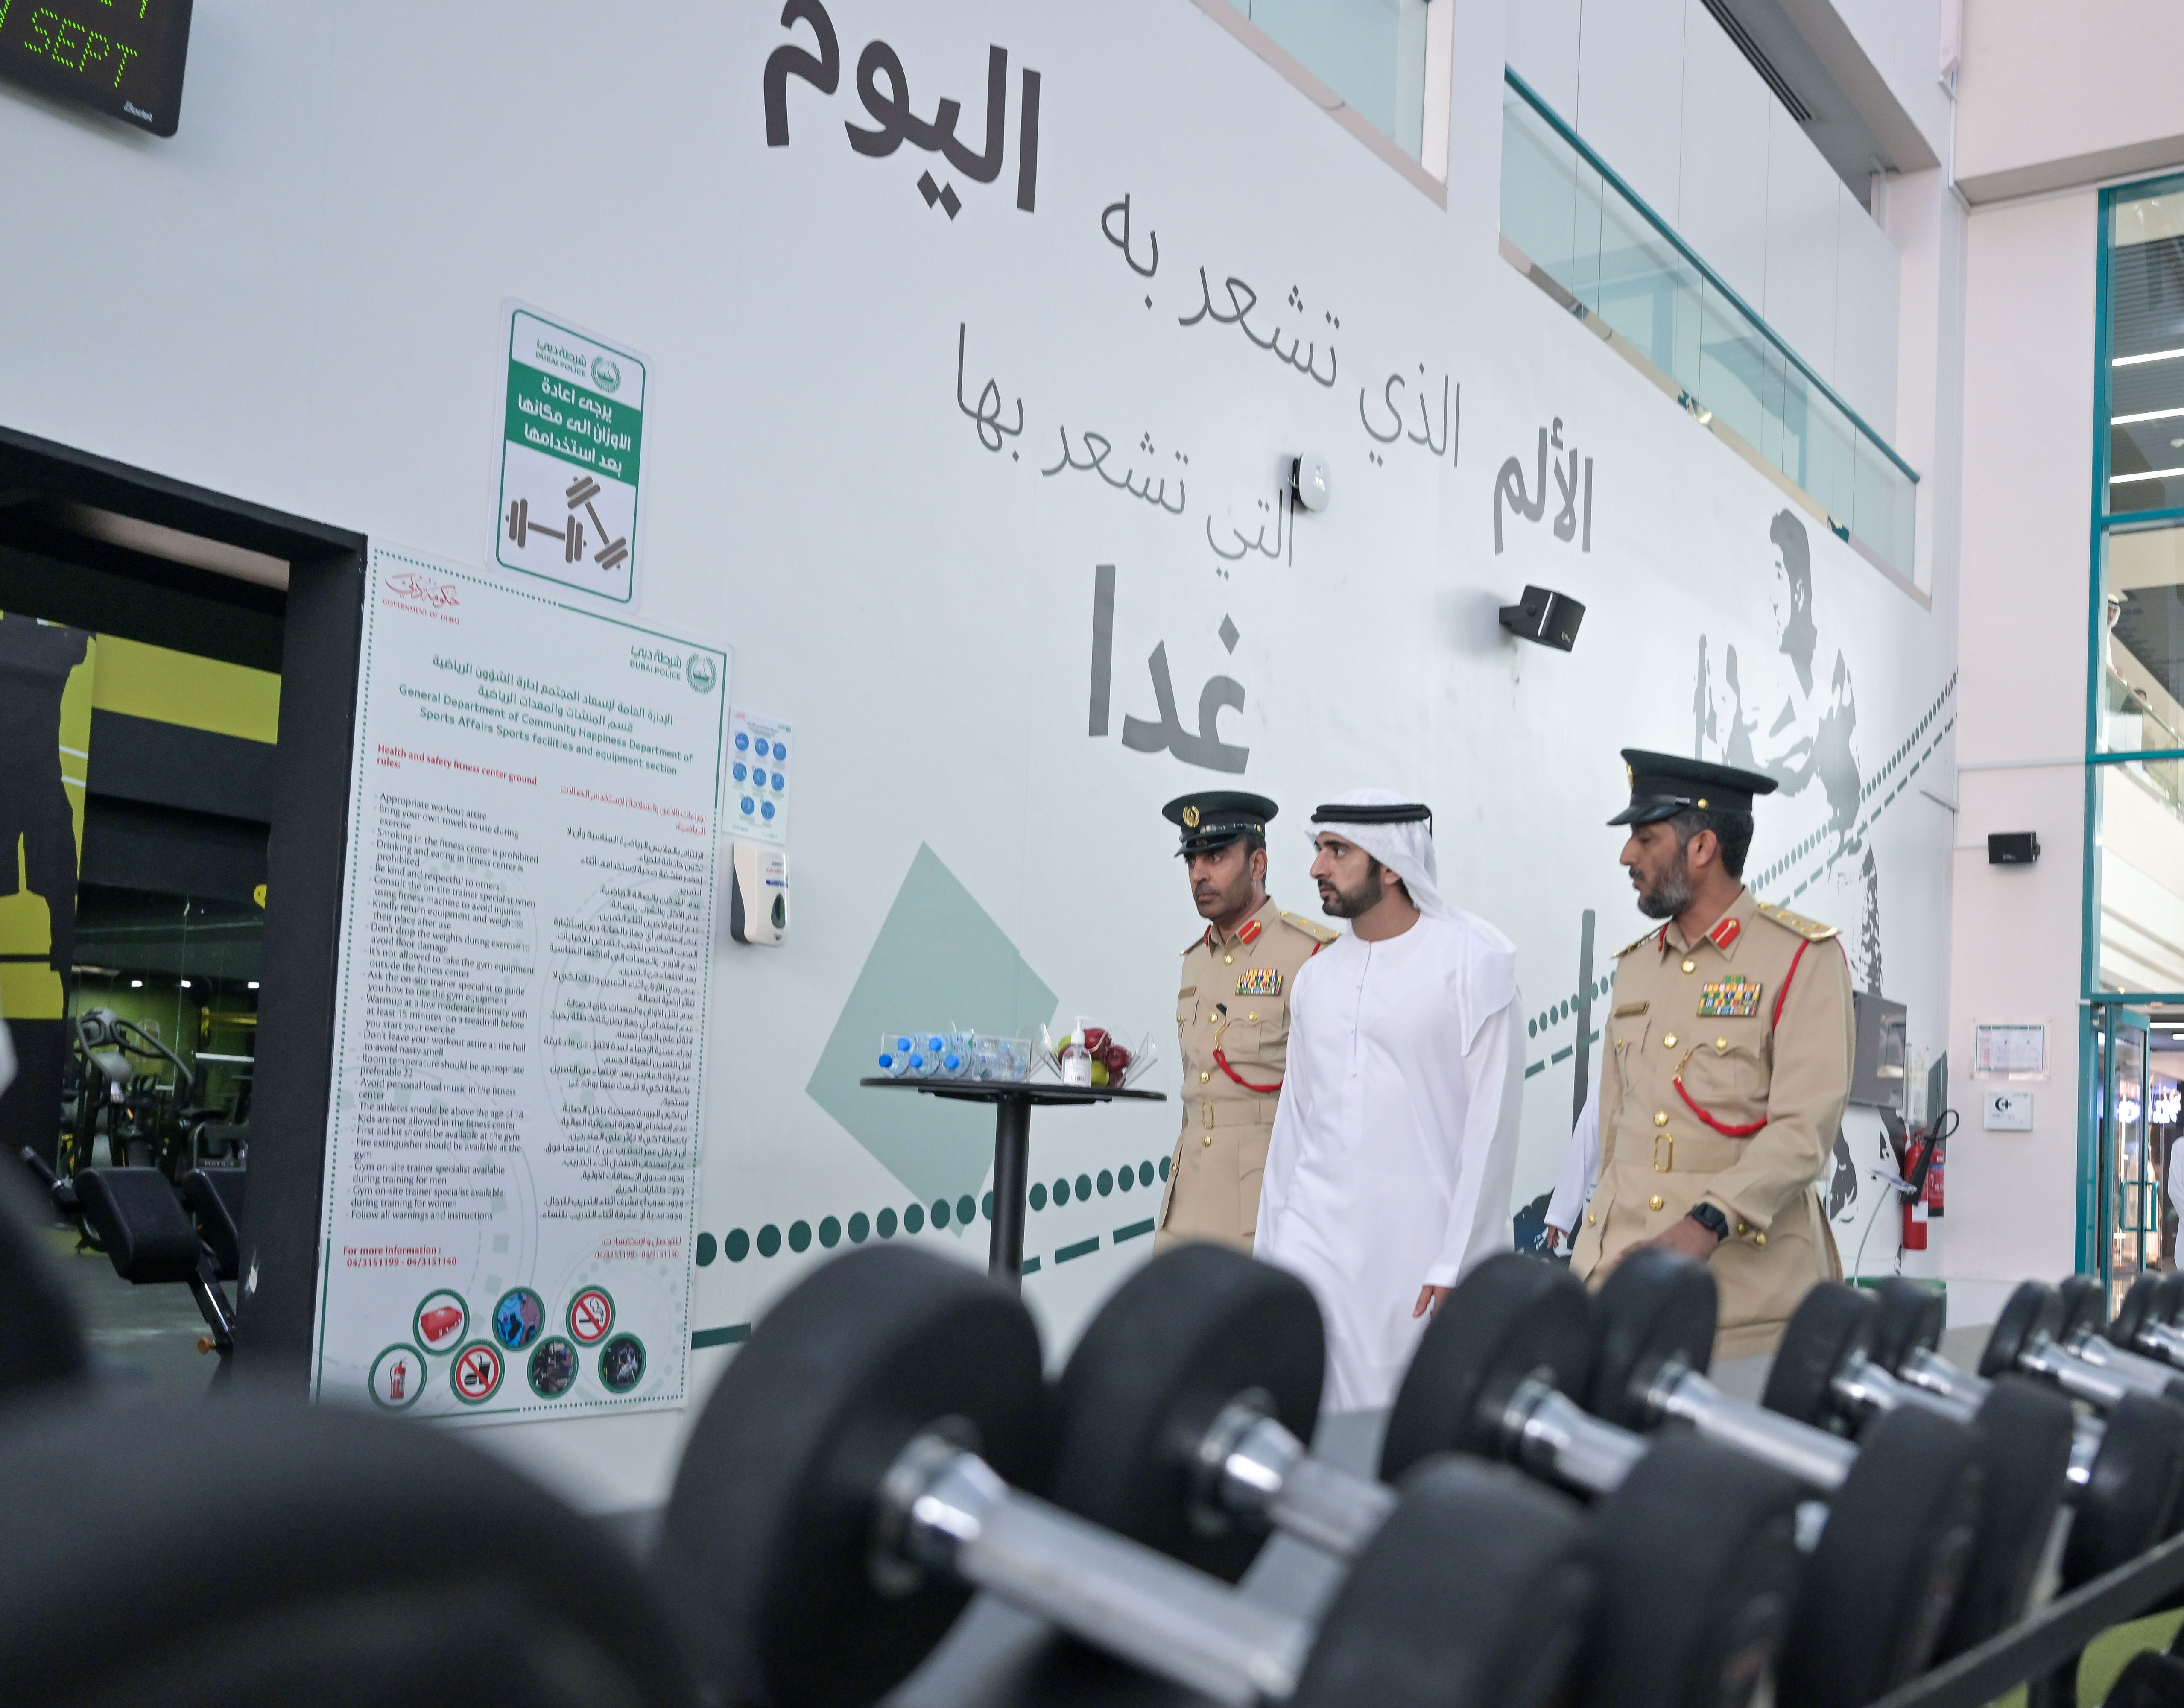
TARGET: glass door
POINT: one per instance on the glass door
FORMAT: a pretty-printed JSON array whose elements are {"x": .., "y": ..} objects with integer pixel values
[{"x": 2131, "y": 1183}]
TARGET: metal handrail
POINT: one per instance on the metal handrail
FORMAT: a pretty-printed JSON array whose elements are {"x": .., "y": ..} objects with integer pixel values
[{"x": 1669, "y": 232}]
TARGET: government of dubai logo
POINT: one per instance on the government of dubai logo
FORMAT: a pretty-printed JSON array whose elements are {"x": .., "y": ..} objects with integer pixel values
[{"x": 702, "y": 672}]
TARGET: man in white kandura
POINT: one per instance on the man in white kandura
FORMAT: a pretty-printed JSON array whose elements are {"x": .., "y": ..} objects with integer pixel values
[{"x": 1395, "y": 1145}]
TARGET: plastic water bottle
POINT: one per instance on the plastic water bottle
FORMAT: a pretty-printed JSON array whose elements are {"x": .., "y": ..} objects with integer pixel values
[{"x": 897, "y": 1053}]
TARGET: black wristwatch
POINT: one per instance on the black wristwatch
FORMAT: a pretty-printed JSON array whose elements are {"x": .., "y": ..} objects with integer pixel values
[{"x": 1711, "y": 1219}]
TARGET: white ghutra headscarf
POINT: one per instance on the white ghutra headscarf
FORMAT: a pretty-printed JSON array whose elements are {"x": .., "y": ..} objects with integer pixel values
[{"x": 1404, "y": 846}]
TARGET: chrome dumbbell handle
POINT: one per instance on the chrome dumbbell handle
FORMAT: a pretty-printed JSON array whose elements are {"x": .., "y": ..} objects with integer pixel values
[
  {"x": 1552, "y": 1436},
  {"x": 943, "y": 1509},
  {"x": 2149, "y": 1376},
  {"x": 1253, "y": 1468},
  {"x": 2161, "y": 1340},
  {"x": 2074, "y": 1376},
  {"x": 1927, "y": 1373},
  {"x": 1816, "y": 1459}
]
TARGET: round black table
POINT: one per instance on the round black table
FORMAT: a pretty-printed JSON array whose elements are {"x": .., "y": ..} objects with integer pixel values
[{"x": 1012, "y": 1101}]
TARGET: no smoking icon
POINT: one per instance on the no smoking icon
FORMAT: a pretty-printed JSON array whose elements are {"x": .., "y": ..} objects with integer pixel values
[
  {"x": 477, "y": 1373},
  {"x": 591, "y": 1314}
]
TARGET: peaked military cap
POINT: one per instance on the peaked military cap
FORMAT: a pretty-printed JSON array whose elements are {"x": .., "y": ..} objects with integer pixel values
[
  {"x": 1662, "y": 785},
  {"x": 1217, "y": 818}
]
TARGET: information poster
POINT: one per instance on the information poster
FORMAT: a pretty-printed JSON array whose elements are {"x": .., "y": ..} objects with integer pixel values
[
  {"x": 758, "y": 777},
  {"x": 572, "y": 446},
  {"x": 512, "y": 1152}
]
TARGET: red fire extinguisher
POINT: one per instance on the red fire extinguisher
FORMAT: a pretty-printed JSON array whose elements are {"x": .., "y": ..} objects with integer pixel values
[{"x": 1923, "y": 1168}]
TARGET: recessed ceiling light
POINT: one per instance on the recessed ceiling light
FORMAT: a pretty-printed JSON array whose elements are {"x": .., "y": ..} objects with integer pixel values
[
  {"x": 135, "y": 983},
  {"x": 186, "y": 983},
  {"x": 253, "y": 984}
]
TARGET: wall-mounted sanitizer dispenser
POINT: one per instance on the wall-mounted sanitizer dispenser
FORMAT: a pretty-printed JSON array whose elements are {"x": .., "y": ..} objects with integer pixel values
[{"x": 758, "y": 896}]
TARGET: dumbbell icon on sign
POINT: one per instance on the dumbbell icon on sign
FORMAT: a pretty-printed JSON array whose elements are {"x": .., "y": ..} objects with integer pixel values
[
  {"x": 1182, "y": 1420},
  {"x": 847, "y": 1487},
  {"x": 520, "y": 527},
  {"x": 581, "y": 493}
]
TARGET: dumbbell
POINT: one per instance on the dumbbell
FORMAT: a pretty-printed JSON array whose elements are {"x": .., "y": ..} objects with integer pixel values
[
  {"x": 848, "y": 1485},
  {"x": 1823, "y": 1376},
  {"x": 1183, "y": 1417},
  {"x": 1882, "y": 1572},
  {"x": 2126, "y": 1462},
  {"x": 2146, "y": 1321},
  {"x": 1903, "y": 1504},
  {"x": 2083, "y": 1334},
  {"x": 2029, "y": 1336}
]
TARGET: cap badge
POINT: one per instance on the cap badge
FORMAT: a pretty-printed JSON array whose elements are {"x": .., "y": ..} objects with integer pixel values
[
  {"x": 1190, "y": 818},
  {"x": 1733, "y": 998}
]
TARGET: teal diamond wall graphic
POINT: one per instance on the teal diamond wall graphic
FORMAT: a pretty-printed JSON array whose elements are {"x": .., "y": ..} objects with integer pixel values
[{"x": 939, "y": 961}]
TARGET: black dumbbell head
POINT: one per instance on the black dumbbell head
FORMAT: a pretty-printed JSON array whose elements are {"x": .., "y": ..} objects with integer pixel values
[
  {"x": 2169, "y": 1302},
  {"x": 2084, "y": 1306},
  {"x": 2126, "y": 1505},
  {"x": 1477, "y": 1592},
  {"x": 1833, "y": 1322},
  {"x": 321, "y": 1555},
  {"x": 2139, "y": 1311},
  {"x": 768, "y": 1538},
  {"x": 2149, "y": 1680},
  {"x": 41, "y": 1340},
  {"x": 1192, "y": 1330},
  {"x": 1511, "y": 1318},
  {"x": 1909, "y": 1318},
  {"x": 1655, "y": 1307},
  {"x": 1699, "y": 1569},
  {"x": 2033, "y": 1313},
  {"x": 1883, "y": 1581},
  {"x": 2025, "y": 1431}
]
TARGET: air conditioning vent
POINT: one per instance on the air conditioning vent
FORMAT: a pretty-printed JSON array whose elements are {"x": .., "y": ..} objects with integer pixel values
[{"x": 1760, "y": 62}]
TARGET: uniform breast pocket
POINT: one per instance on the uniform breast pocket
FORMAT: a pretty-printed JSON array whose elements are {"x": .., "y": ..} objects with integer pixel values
[
  {"x": 1264, "y": 1021},
  {"x": 1725, "y": 1066}
]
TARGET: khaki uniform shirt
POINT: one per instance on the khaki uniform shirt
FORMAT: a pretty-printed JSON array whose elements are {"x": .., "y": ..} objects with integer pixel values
[
  {"x": 1235, "y": 1000},
  {"x": 1775, "y": 1084}
]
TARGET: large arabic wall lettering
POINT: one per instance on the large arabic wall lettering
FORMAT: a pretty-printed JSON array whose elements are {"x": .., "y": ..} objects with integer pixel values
[{"x": 949, "y": 307}]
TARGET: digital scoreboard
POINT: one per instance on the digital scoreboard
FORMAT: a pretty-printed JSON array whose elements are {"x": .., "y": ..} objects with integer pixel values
[{"x": 119, "y": 56}]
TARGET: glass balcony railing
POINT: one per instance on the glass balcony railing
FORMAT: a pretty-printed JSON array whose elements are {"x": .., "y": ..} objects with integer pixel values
[{"x": 1591, "y": 241}]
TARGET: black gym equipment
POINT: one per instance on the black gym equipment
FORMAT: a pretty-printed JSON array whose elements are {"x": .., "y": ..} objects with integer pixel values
[
  {"x": 850, "y": 1484},
  {"x": 2028, "y": 1337},
  {"x": 1822, "y": 1376},
  {"x": 2127, "y": 1467},
  {"x": 2149, "y": 1680},
  {"x": 2083, "y": 1333},
  {"x": 321, "y": 1555},
  {"x": 1183, "y": 1420},
  {"x": 2146, "y": 1321},
  {"x": 117, "y": 1066},
  {"x": 1902, "y": 1506},
  {"x": 43, "y": 1349},
  {"x": 143, "y": 1223}
]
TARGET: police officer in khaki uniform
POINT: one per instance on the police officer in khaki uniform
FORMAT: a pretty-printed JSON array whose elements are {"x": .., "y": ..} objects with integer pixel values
[
  {"x": 1726, "y": 1061},
  {"x": 1232, "y": 1016}
]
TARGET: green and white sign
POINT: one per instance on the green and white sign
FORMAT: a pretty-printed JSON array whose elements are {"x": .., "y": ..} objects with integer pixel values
[{"x": 572, "y": 444}]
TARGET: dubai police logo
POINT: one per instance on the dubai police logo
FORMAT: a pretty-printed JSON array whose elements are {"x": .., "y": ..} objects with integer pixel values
[
  {"x": 702, "y": 672},
  {"x": 1190, "y": 818},
  {"x": 606, "y": 374}
]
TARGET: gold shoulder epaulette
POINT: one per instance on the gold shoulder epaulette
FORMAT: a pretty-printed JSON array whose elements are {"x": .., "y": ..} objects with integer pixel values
[
  {"x": 1194, "y": 943},
  {"x": 1311, "y": 927},
  {"x": 1811, "y": 930},
  {"x": 1628, "y": 947}
]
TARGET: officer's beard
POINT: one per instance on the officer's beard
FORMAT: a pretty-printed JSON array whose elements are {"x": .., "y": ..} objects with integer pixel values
[
  {"x": 1348, "y": 904},
  {"x": 1670, "y": 893}
]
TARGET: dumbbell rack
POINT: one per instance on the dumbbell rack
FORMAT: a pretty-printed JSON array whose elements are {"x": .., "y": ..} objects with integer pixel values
[
  {"x": 1012, "y": 1101},
  {"x": 2034, "y": 1647}
]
